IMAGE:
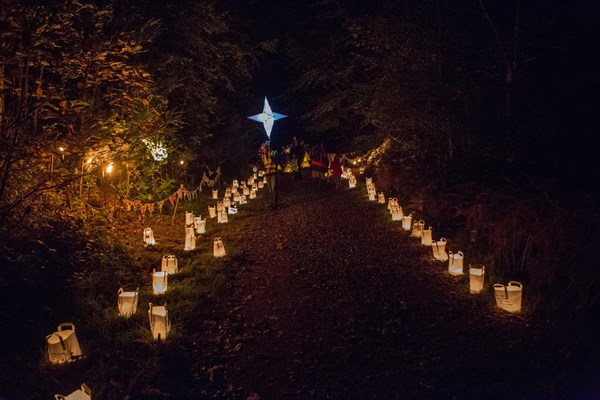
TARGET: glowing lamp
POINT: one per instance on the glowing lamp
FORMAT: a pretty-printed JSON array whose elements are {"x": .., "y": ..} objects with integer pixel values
[
  {"x": 189, "y": 230},
  {"x": 371, "y": 195},
  {"x": 509, "y": 297},
  {"x": 84, "y": 393},
  {"x": 439, "y": 249},
  {"x": 264, "y": 180},
  {"x": 227, "y": 192},
  {"x": 220, "y": 206},
  {"x": 407, "y": 222},
  {"x": 246, "y": 191},
  {"x": 243, "y": 199},
  {"x": 261, "y": 173},
  {"x": 381, "y": 198},
  {"x": 159, "y": 282},
  {"x": 476, "y": 279},
  {"x": 455, "y": 263},
  {"x": 215, "y": 194},
  {"x": 212, "y": 212},
  {"x": 417, "y": 228},
  {"x": 149, "y": 237},
  {"x": 222, "y": 217},
  {"x": 169, "y": 264},
  {"x": 252, "y": 194},
  {"x": 190, "y": 241},
  {"x": 232, "y": 209},
  {"x": 236, "y": 197},
  {"x": 235, "y": 183},
  {"x": 261, "y": 184},
  {"x": 218, "y": 247},
  {"x": 226, "y": 202},
  {"x": 234, "y": 190},
  {"x": 397, "y": 213},
  {"x": 127, "y": 302},
  {"x": 267, "y": 117},
  {"x": 189, "y": 218},
  {"x": 159, "y": 321},
  {"x": 361, "y": 170},
  {"x": 63, "y": 346},
  {"x": 200, "y": 224},
  {"x": 109, "y": 168},
  {"x": 426, "y": 237},
  {"x": 368, "y": 181}
]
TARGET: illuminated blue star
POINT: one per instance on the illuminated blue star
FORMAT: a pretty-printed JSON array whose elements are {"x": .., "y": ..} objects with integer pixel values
[{"x": 267, "y": 117}]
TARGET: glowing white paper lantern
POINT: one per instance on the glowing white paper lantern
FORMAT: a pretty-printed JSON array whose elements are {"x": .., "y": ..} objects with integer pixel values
[
  {"x": 236, "y": 197},
  {"x": 426, "y": 235},
  {"x": 417, "y": 228},
  {"x": 220, "y": 206},
  {"x": 261, "y": 173},
  {"x": 227, "y": 192},
  {"x": 222, "y": 217},
  {"x": 352, "y": 182},
  {"x": 212, "y": 212},
  {"x": 254, "y": 187},
  {"x": 218, "y": 247},
  {"x": 381, "y": 198},
  {"x": 371, "y": 196},
  {"x": 476, "y": 279},
  {"x": 127, "y": 302},
  {"x": 361, "y": 170},
  {"x": 368, "y": 181},
  {"x": 200, "y": 224},
  {"x": 243, "y": 199},
  {"x": 189, "y": 230},
  {"x": 234, "y": 190},
  {"x": 232, "y": 209},
  {"x": 264, "y": 180},
  {"x": 215, "y": 194},
  {"x": 190, "y": 241},
  {"x": 252, "y": 194},
  {"x": 396, "y": 213},
  {"x": 189, "y": 218},
  {"x": 226, "y": 203},
  {"x": 407, "y": 222},
  {"x": 63, "y": 345},
  {"x": 84, "y": 393},
  {"x": 159, "y": 321},
  {"x": 509, "y": 297},
  {"x": 159, "y": 282},
  {"x": 455, "y": 263},
  {"x": 246, "y": 191},
  {"x": 439, "y": 249},
  {"x": 392, "y": 202},
  {"x": 261, "y": 185},
  {"x": 234, "y": 184},
  {"x": 169, "y": 264},
  {"x": 149, "y": 237}
]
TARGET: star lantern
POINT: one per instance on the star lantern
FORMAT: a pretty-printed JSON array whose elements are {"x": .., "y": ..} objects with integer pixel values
[{"x": 267, "y": 117}]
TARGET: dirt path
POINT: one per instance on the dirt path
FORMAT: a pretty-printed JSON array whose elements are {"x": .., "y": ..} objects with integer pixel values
[{"x": 337, "y": 303}]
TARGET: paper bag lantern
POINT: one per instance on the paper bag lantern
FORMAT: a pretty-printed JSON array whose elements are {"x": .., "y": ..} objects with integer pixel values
[
  {"x": 407, "y": 222},
  {"x": 264, "y": 180},
  {"x": 63, "y": 345},
  {"x": 200, "y": 224},
  {"x": 84, "y": 393},
  {"x": 169, "y": 264},
  {"x": 243, "y": 199},
  {"x": 426, "y": 237},
  {"x": 222, "y": 217},
  {"x": 190, "y": 241},
  {"x": 392, "y": 202},
  {"x": 371, "y": 196},
  {"x": 396, "y": 213},
  {"x": 352, "y": 182},
  {"x": 261, "y": 184},
  {"x": 159, "y": 321},
  {"x": 509, "y": 297},
  {"x": 361, "y": 170},
  {"x": 149, "y": 237},
  {"x": 252, "y": 194},
  {"x": 417, "y": 228},
  {"x": 246, "y": 191},
  {"x": 227, "y": 192},
  {"x": 243, "y": 184},
  {"x": 215, "y": 194},
  {"x": 226, "y": 203},
  {"x": 236, "y": 197},
  {"x": 381, "y": 198},
  {"x": 455, "y": 263},
  {"x": 235, "y": 183},
  {"x": 439, "y": 249},
  {"x": 261, "y": 173},
  {"x": 476, "y": 279},
  {"x": 218, "y": 247},
  {"x": 234, "y": 190},
  {"x": 368, "y": 181},
  {"x": 127, "y": 302},
  {"x": 159, "y": 282},
  {"x": 232, "y": 209},
  {"x": 220, "y": 206},
  {"x": 189, "y": 230},
  {"x": 254, "y": 187},
  {"x": 212, "y": 212},
  {"x": 189, "y": 218}
]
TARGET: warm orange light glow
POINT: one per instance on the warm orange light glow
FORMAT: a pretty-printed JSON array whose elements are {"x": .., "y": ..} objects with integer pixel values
[
  {"x": 181, "y": 162},
  {"x": 109, "y": 168},
  {"x": 89, "y": 161},
  {"x": 61, "y": 148}
]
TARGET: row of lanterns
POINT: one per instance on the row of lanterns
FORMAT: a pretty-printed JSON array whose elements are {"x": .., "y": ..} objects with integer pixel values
[
  {"x": 63, "y": 346},
  {"x": 508, "y": 297}
]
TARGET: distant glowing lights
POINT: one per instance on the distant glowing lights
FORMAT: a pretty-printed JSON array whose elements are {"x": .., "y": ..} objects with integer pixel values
[{"x": 267, "y": 117}]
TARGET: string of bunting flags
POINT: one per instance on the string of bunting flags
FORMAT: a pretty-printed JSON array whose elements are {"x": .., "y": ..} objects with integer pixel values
[{"x": 180, "y": 194}]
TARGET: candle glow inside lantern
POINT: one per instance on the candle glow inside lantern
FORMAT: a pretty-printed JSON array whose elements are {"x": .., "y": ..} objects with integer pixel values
[
  {"x": 222, "y": 217},
  {"x": 200, "y": 224},
  {"x": 190, "y": 241},
  {"x": 369, "y": 181},
  {"x": 127, "y": 302},
  {"x": 235, "y": 183},
  {"x": 261, "y": 184},
  {"x": 226, "y": 202},
  {"x": 407, "y": 222},
  {"x": 189, "y": 230},
  {"x": 63, "y": 346},
  {"x": 218, "y": 247},
  {"x": 243, "y": 199},
  {"x": 236, "y": 197},
  {"x": 169, "y": 264},
  {"x": 159, "y": 282},
  {"x": 439, "y": 249},
  {"x": 352, "y": 182},
  {"x": 396, "y": 213},
  {"x": 392, "y": 202},
  {"x": 149, "y": 237},
  {"x": 246, "y": 191},
  {"x": 220, "y": 206},
  {"x": 381, "y": 198},
  {"x": 426, "y": 237},
  {"x": 476, "y": 279},
  {"x": 159, "y": 321},
  {"x": 252, "y": 194},
  {"x": 455, "y": 263},
  {"x": 215, "y": 194},
  {"x": 417, "y": 228},
  {"x": 227, "y": 192},
  {"x": 509, "y": 297},
  {"x": 232, "y": 209},
  {"x": 234, "y": 190},
  {"x": 212, "y": 212},
  {"x": 84, "y": 393},
  {"x": 261, "y": 173},
  {"x": 189, "y": 218}
]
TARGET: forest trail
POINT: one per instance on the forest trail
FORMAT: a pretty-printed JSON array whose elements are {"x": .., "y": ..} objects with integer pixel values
[{"x": 337, "y": 302}]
